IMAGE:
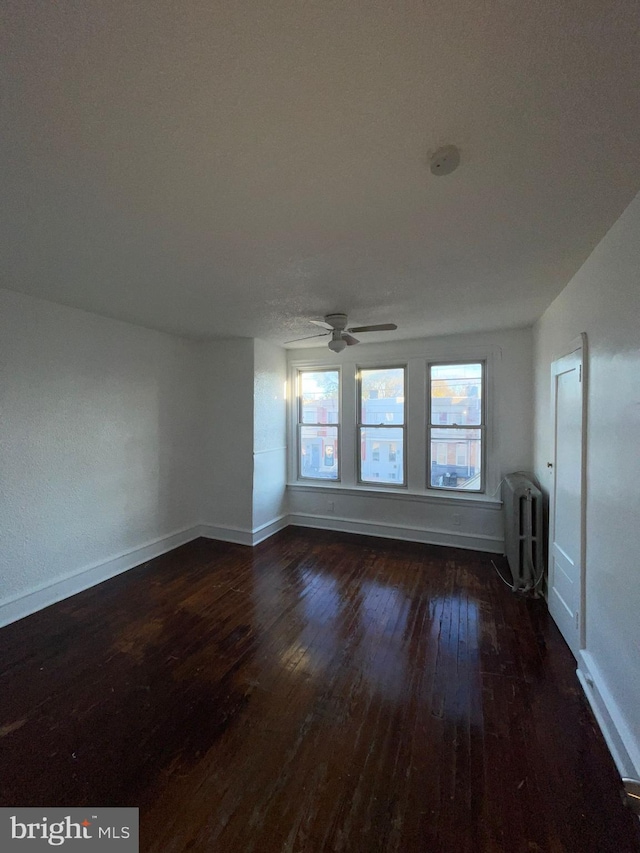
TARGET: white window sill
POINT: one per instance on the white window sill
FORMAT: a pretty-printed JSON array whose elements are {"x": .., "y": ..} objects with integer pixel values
[{"x": 400, "y": 493}]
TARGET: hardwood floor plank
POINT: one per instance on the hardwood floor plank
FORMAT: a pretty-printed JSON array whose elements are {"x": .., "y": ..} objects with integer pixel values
[{"x": 320, "y": 692}]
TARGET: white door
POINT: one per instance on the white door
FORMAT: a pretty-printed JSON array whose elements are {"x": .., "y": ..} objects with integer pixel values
[{"x": 566, "y": 513}]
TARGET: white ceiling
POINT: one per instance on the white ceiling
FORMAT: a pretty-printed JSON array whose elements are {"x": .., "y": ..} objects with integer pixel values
[{"x": 231, "y": 168}]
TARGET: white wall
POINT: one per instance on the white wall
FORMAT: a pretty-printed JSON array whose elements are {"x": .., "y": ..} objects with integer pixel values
[
  {"x": 97, "y": 456},
  {"x": 243, "y": 439},
  {"x": 119, "y": 443},
  {"x": 415, "y": 513},
  {"x": 226, "y": 439},
  {"x": 603, "y": 300},
  {"x": 270, "y": 434}
]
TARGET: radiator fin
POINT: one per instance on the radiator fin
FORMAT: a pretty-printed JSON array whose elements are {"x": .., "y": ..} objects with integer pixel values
[{"x": 522, "y": 509}]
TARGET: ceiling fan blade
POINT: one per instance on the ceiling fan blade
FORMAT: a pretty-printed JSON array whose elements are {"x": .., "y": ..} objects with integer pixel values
[
  {"x": 381, "y": 327},
  {"x": 350, "y": 340},
  {"x": 322, "y": 324},
  {"x": 308, "y": 338}
]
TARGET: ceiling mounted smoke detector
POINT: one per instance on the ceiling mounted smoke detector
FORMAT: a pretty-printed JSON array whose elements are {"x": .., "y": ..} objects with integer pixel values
[{"x": 445, "y": 160}]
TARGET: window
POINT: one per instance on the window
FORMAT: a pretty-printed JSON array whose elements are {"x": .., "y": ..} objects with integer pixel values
[
  {"x": 456, "y": 398},
  {"x": 318, "y": 424},
  {"x": 381, "y": 423},
  {"x": 384, "y": 446}
]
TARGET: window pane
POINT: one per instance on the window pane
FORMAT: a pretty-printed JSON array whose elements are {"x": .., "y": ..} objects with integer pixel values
[
  {"x": 319, "y": 452},
  {"x": 382, "y": 396},
  {"x": 319, "y": 393},
  {"x": 456, "y": 394},
  {"x": 456, "y": 461},
  {"x": 381, "y": 455}
]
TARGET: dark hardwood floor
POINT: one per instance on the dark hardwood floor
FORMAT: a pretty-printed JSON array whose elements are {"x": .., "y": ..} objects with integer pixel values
[{"x": 321, "y": 692}]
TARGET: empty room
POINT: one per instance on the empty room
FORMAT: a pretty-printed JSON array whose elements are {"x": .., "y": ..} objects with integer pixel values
[{"x": 319, "y": 418}]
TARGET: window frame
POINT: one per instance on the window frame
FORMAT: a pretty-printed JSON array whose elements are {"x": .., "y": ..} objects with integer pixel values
[
  {"x": 482, "y": 427},
  {"x": 417, "y": 359},
  {"x": 300, "y": 424},
  {"x": 359, "y": 426}
]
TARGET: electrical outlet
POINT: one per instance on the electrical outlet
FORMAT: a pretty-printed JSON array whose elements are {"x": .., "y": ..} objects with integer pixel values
[
  {"x": 455, "y": 519},
  {"x": 330, "y": 506}
]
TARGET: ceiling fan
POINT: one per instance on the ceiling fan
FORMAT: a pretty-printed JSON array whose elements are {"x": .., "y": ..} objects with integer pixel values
[{"x": 341, "y": 337}]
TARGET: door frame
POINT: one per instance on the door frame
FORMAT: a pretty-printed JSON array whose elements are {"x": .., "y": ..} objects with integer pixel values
[{"x": 578, "y": 346}]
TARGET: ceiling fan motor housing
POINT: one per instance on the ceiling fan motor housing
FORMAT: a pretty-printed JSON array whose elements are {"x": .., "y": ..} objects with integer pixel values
[{"x": 338, "y": 321}]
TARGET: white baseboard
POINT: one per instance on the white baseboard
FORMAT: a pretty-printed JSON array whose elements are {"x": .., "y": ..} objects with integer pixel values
[
  {"x": 449, "y": 538},
  {"x": 242, "y": 535},
  {"x": 622, "y": 743},
  {"x": 264, "y": 531},
  {"x": 236, "y": 535},
  {"x": 13, "y": 609}
]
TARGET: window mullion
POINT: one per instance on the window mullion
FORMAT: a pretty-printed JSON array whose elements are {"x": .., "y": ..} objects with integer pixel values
[{"x": 348, "y": 436}]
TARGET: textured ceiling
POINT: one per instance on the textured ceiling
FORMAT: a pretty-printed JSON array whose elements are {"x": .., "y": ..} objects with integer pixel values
[{"x": 231, "y": 168}]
